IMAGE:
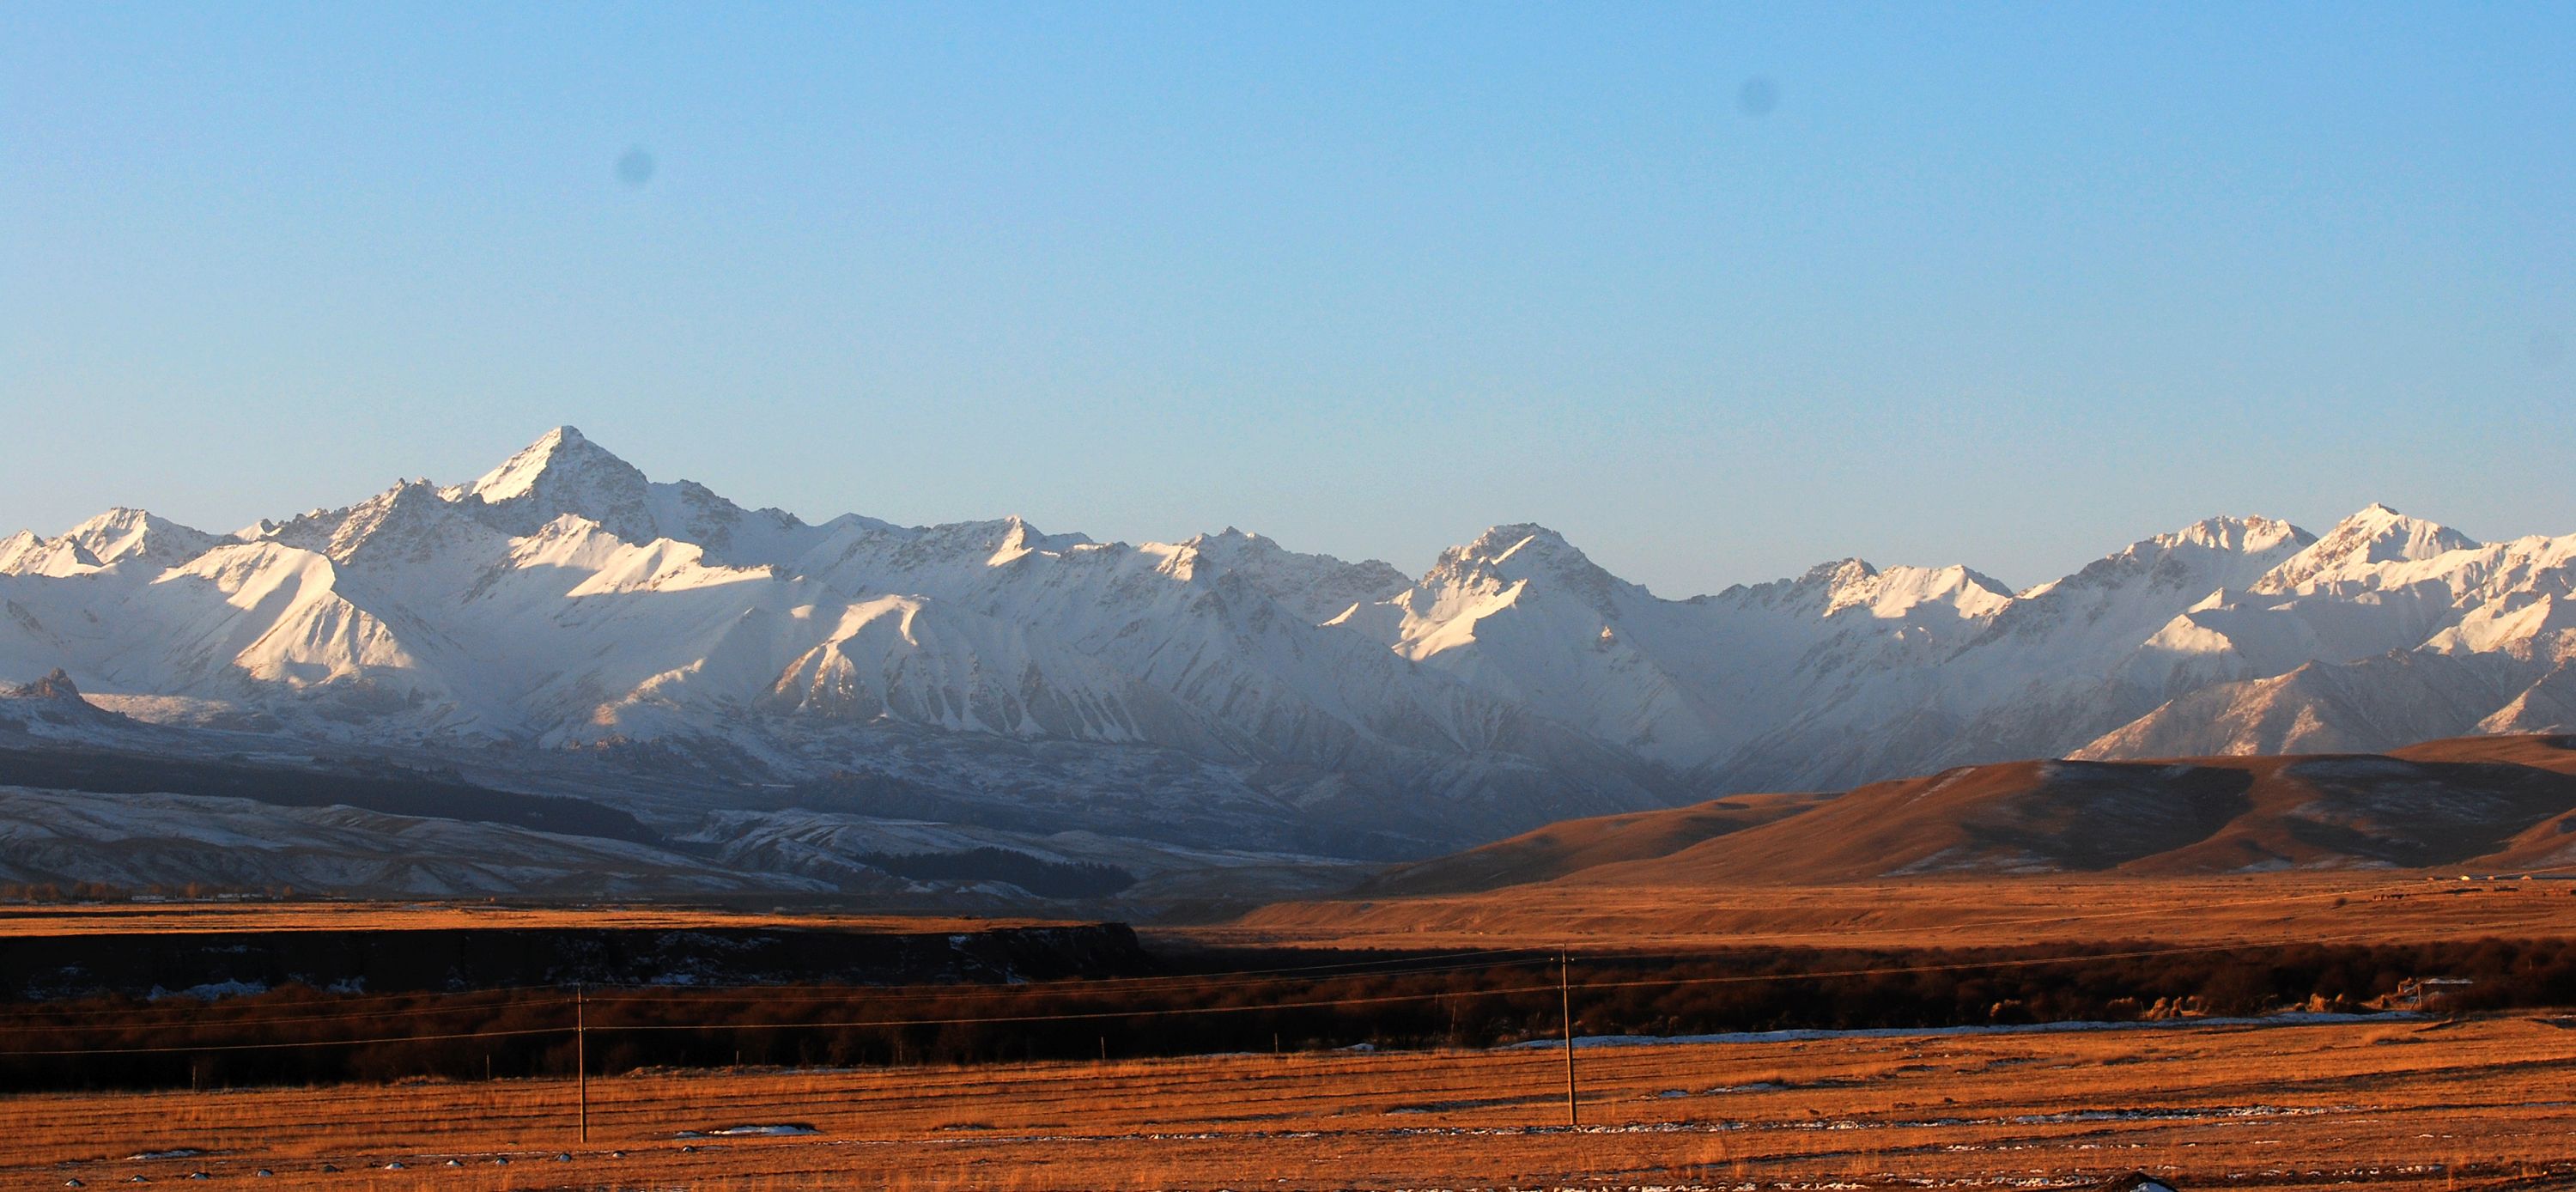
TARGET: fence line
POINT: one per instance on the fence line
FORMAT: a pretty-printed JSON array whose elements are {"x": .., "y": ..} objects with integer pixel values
[{"x": 1070, "y": 989}]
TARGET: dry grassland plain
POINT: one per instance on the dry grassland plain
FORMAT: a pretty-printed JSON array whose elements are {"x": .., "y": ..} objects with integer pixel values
[
  {"x": 2413, "y": 1104},
  {"x": 146, "y": 917},
  {"x": 2378, "y": 908},
  {"x": 2403, "y": 1104}
]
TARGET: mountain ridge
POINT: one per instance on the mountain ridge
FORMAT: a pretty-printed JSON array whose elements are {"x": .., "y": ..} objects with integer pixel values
[{"x": 563, "y": 600}]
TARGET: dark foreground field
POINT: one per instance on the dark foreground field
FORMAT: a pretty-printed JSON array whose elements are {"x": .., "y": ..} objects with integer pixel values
[
  {"x": 1209, "y": 1003},
  {"x": 2412, "y": 1105}
]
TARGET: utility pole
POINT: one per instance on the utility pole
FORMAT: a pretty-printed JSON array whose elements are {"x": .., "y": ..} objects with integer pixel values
[
  {"x": 581, "y": 1058},
  {"x": 1565, "y": 1000}
]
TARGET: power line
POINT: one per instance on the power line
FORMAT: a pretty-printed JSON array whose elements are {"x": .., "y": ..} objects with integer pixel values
[
  {"x": 1400, "y": 998},
  {"x": 1118, "y": 984},
  {"x": 547, "y": 1030},
  {"x": 1563, "y": 987},
  {"x": 248, "y": 1021},
  {"x": 1392, "y": 966},
  {"x": 686, "y": 998},
  {"x": 677, "y": 997},
  {"x": 50, "y": 1020},
  {"x": 332, "y": 999}
]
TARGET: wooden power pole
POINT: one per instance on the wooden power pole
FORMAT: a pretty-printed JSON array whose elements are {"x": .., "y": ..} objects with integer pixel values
[
  {"x": 1565, "y": 1000},
  {"x": 581, "y": 1059}
]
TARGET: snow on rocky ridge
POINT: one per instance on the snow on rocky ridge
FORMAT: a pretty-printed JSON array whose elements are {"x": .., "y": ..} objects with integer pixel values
[{"x": 566, "y": 601}]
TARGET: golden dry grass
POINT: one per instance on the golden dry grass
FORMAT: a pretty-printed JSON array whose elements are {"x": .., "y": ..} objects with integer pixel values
[
  {"x": 2424, "y": 1106},
  {"x": 142, "y": 918},
  {"x": 1932, "y": 913}
]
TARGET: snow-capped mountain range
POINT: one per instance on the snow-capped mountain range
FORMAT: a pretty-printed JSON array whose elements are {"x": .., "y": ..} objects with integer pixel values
[{"x": 1224, "y": 690}]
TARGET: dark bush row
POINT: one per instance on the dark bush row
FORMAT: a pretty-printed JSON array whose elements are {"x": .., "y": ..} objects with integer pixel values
[{"x": 528, "y": 1032}]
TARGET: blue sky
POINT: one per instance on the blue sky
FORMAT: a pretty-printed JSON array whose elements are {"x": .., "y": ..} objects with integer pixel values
[{"x": 2007, "y": 285}]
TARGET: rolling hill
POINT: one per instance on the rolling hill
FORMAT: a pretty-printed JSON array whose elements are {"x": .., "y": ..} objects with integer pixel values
[
  {"x": 1558, "y": 850},
  {"x": 2484, "y": 803}
]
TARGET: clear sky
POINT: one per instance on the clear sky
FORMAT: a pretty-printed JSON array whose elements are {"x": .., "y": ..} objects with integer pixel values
[{"x": 1717, "y": 291}]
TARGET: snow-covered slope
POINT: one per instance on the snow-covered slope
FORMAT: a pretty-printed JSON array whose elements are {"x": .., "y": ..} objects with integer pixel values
[
  {"x": 565, "y": 604},
  {"x": 1523, "y": 613},
  {"x": 50, "y": 711},
  {"x": 1316, "y": 587},
  {"x": 118, "y": 536},
  {"x": 1845, "y": 674},
  {"x": 564, "y": 473},
  {"x": 565, "y": 601},
  {"x": 2388, "y": 630},
  {"x": 2047, "y": 670}
]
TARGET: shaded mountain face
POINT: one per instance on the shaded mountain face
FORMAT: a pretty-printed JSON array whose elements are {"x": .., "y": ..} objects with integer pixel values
[{"x": 566, "y": 604}]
